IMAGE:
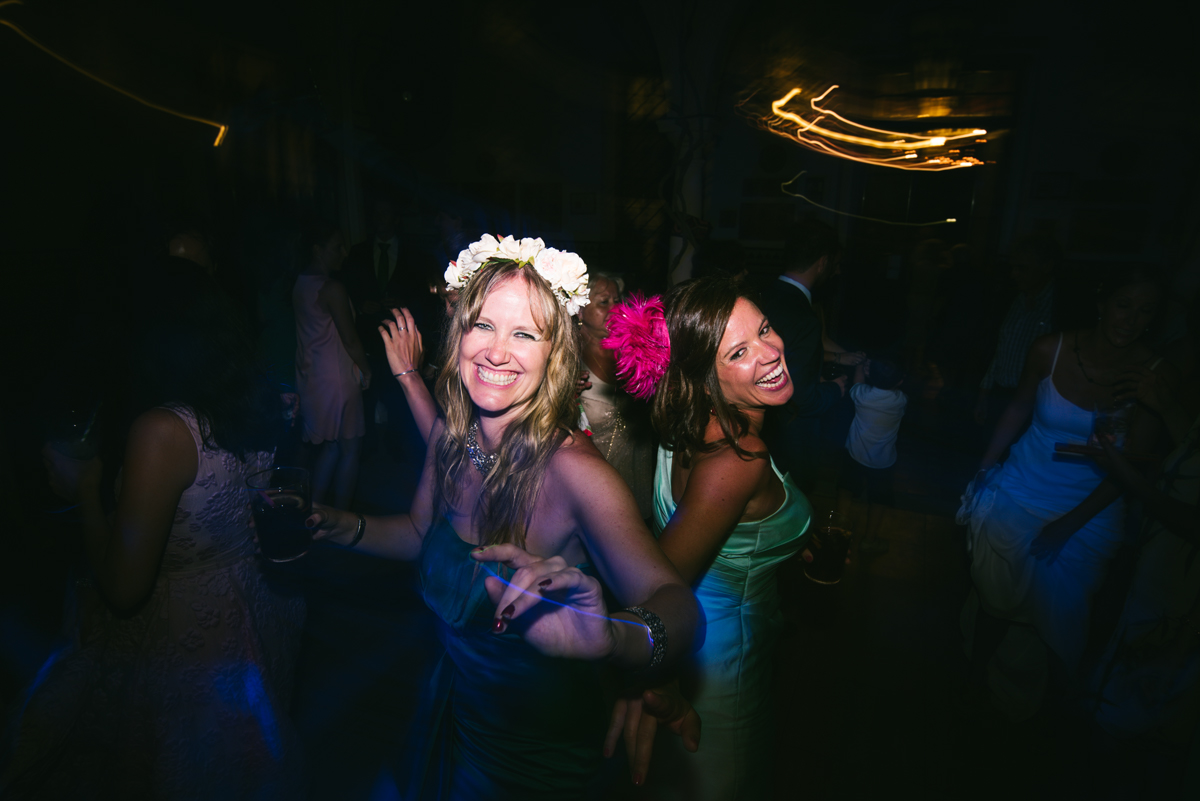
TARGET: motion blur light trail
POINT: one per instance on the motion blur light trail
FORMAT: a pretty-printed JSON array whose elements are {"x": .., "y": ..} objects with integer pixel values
[
  {"x": 931, "y": 152},
  {"x": 221, "y": 129},
  {"x": 783, "y": 187}
]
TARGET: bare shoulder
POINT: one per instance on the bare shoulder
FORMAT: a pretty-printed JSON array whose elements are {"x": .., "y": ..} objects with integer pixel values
[
  {"x": 578, "y": 454},
  {"x": 161, "y": 443},
  {"x": 332, "y": 290},
  {"x": 1041, "y": 352},
  {"x": 161, "y": 426},
  {"x": 727, "y": 467}
]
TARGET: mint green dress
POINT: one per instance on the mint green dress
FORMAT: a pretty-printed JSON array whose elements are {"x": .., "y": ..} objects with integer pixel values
[{"x": 729, "y": 679}]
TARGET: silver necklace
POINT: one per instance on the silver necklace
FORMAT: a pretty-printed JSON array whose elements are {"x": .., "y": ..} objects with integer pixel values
[{"x": 484, "y": 462}]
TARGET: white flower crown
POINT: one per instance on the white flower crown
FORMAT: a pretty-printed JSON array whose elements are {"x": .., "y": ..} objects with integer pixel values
[{"x": 564, "y": 271}]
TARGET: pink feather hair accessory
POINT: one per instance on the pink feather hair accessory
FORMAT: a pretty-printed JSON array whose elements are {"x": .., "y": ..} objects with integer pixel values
[{"x": 637, "y": 332}]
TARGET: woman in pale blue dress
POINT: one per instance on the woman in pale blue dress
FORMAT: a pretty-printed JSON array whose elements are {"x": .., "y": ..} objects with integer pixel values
[
  {"x": 1043, "y": 530},
  {"x": 726, "y": 518}
]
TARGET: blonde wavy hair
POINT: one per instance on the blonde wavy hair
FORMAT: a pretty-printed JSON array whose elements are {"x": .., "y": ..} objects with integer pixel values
[{"x": 510, "y": 489}]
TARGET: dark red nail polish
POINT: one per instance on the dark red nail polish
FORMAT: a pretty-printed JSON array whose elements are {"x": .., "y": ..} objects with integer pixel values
[
  {"x": 498, "y": 627},
  {"x": 545, "y": 582},
  {"x": 508, "y": 612}
]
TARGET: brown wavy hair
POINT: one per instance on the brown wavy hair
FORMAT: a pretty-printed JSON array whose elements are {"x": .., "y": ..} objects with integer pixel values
[
  {"x": 510, "y": 489},
  {"x": 697, "y": 313}
]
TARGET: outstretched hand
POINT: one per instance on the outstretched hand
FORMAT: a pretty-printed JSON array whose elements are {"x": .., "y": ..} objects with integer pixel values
[
  {"x": 638, "y": 719},
  {"x": 402, "y": 341},
  {"x": 556, "y": 608}
]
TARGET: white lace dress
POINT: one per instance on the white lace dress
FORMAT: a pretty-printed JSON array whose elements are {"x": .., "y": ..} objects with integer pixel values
[{"x": 188, "y": 696}]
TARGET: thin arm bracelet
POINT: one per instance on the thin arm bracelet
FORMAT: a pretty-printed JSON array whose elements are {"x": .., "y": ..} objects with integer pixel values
[
  {"x": 358, "y": 535},
  {"x": 406, "y": 372},
  {"x": 658, "y": 633}
]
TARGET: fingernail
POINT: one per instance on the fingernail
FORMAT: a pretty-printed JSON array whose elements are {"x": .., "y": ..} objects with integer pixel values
[
  {"x": 508, "y": 612},
  {"x": 310, "y": 522},
  {"x": 808, "y": 557},
  {"x": 498, "y": 627},
  {"x": 545, "y": 582},
  {"x": 637, "y": 779},
  {"x": 480, "y": 549}
]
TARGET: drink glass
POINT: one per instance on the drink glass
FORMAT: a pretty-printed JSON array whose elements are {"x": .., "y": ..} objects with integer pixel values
[
  {"x": 281, "y": 500},
  {"x": 829, "y": 545},
  {"x": 1112, "y": 423}
]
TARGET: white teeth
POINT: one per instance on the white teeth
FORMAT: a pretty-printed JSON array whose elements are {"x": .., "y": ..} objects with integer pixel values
[
  {"x": 770, "y": 377},
  {"x": 501, "y": 379}
]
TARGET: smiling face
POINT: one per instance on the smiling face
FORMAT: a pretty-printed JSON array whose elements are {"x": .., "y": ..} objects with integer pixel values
[
  {"x": 750, "y": 364},
  {"x": 1128, "y": 312},
  {"x": 502, "y": 357}
]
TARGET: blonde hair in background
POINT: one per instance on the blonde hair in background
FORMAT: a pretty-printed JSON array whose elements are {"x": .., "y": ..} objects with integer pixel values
[{"x": 510, "y": 489}]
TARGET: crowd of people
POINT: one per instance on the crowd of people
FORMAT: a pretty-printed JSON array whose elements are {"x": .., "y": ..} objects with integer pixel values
[{"x": 608, "y": 484}]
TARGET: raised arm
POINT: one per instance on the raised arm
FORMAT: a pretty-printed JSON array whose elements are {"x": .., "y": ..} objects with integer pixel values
[
  {"x": 391, "y": 536},
  {"x": 402, "y": 341},
  {"x": 335, "y": 300}
]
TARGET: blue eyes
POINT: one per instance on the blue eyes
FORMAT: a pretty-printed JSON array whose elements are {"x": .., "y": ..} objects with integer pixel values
[{"x": 521, "y": 334}]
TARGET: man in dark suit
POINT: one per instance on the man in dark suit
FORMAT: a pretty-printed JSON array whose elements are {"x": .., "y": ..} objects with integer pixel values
[
  {"x": 792, "y": 432},
  {"x": 379, "y": 278}
]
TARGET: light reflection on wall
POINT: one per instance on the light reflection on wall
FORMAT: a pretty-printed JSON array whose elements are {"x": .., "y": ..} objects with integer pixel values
[{"x": 821, "y": 129}]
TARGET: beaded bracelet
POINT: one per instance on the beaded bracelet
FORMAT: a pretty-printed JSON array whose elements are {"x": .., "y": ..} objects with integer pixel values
[
  {"x": 658, "y": 633},
  {"x": 358, "y": 535}
]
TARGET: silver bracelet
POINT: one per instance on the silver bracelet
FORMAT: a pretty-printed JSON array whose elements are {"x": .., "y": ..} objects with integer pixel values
[
  {"x": 406, "y": 372},
  {"x": 658, "y": 633},
  {"x": 358, "y": 535}
]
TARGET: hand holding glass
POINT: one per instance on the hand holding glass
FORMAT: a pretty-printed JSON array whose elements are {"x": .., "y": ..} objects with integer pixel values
[{"x": 281, "y": 500}]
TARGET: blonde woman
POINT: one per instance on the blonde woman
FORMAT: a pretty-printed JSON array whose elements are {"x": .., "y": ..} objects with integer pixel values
[{"x": 515, "y": 515}]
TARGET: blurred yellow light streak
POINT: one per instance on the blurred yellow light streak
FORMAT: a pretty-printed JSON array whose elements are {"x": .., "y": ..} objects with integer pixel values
[
  {"x": 783, "y": 187},
  {"x": 221, "y": 128},
  {"x": 811, "y": 134}
]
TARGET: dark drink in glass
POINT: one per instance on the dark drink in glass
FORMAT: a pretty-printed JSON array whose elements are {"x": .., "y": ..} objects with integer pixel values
[
  {"x": 281, "y": 500},
  {"x": 829, "y": 545}
]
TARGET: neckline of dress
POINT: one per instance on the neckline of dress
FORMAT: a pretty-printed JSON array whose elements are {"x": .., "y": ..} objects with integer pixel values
[
  {"x": 787, "y": 495},
  {"x": 1064, "y": 398}
]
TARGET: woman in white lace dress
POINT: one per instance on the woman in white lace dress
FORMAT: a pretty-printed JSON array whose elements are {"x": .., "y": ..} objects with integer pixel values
[{"x": 178, "y": 683}]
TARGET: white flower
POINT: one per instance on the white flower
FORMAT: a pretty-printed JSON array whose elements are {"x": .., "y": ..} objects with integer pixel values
[
  {"x": 567, "y": 275},
  {"x": 485, "y": 247},
  {"x": 509, "y": 249},
  {"x": 530, "y": 248},
  {"x": 564, "y": 271}
]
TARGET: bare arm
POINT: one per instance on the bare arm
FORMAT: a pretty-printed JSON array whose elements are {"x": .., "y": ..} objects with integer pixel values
[
  {"x": 393, "y": 536},
  {"x": 1037, "y": 367},
  {"x": 628, "y": 559},
  {"x": 402, "y": 341},
  {"x": 335, "y": 300},
  {"x": 718, "y": 490},
  {"x": 1055, "y": 534},
  {"x": 160, "y": 463}
]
